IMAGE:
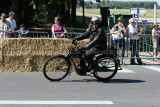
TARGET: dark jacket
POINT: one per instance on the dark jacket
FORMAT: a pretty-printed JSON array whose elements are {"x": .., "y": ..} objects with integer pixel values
[{"x": 98, "y": 39}]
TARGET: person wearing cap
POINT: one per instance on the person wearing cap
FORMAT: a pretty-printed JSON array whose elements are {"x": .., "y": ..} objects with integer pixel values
[
  {"x": 13, "y": 24},
  {"x": 98, "y": 41},
  {"x": 155, "y": 35},
  {"x": 22, "y": 32},
  {"x": 5, "y": 26}
]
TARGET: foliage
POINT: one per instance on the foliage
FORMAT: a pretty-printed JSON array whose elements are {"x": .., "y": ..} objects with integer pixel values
[
  {"x": 120, "y": 4},
  {"x": 26, "y": 10}
]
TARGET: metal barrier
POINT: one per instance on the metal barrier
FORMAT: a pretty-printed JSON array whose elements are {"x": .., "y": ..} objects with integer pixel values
[
  {"x": 141, "y": 48},
  {"x": 38, "y": 34},
  {"x": 3, "y": 34},
  {"x": 68, "y": 35},
  {"x": 31, "y": 34},
  {"x": 145, "y": 45}
]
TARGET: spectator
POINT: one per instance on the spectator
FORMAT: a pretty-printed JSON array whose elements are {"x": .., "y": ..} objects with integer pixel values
[
  {"x": 22, "y": 32},
  {"x": 13, "y": 24},
  {"x": 155, "y": 35},
  {"x": 58, "y": 27},
  {"x": 4, "y": 26},
  {"x": 89, "y": 26},
  {"x": 119, "y": 29},
  {"x": 134, "y": 42},
  {"x": 141, "y": 31}
]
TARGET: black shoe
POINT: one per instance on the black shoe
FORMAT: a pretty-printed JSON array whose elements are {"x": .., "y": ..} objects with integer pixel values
[
  {"x": 142, "y": 64},
  {"x": 134, "y": 63}
]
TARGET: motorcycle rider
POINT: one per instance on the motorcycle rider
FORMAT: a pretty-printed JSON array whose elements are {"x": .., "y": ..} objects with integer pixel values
[{"x": 98, "y": 41}]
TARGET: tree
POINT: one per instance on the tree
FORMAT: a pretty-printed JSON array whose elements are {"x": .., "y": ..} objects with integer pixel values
[
  {"x": 26, "y": 10},
  {"x": 73, "y": 13},
  {"x": 23, "y": 9},
  {"x": 4, "y": 7}
]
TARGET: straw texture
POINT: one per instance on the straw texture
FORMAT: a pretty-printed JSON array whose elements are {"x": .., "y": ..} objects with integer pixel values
[{"x": 30, "y": 54}]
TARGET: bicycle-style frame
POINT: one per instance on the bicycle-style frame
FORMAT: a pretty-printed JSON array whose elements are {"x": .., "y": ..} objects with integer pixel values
[{"x": 106, "y": 61}]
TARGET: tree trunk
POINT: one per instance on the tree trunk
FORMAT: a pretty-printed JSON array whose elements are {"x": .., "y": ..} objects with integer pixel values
[
  {"x": 23, "y": 11},
  {"x": 16, "y": 7},
  {"x": 73, "y": 13},
  {"x": 67, "y": 18}
]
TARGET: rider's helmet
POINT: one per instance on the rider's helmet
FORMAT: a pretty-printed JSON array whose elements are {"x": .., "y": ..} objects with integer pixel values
[{"x": 95, "y": 19}]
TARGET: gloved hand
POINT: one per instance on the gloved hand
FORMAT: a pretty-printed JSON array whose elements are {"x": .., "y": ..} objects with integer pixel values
[
  {"x": 82, "y": 48},
  {"x": 74, "y": 41}
]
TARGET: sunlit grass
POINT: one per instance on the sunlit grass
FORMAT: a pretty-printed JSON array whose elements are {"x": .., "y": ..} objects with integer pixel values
[{"x": 148, "y": 14}]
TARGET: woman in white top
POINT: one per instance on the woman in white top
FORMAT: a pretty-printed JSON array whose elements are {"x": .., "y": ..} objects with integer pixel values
[{"x": 118, "y": 29}]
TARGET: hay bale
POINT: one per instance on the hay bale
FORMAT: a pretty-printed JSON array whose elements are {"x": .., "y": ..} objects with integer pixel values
[
  {"x": 0, "y": 55},
  {"x": 30, "y": 54}
]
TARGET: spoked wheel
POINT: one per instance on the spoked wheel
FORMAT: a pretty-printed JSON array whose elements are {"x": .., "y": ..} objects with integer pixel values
[
  {"x": 108, "y": 67},
  {"x": 56, "y": 68}
]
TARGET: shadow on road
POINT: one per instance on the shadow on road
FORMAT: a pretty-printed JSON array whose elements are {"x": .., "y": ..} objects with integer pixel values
[
  {"x": 110, "y": 81},
  {"x": 124, "y": 81}
]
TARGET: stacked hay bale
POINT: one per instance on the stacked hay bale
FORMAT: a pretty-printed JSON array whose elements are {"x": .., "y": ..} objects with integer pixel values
[
  {"x": 0, "y": 55},
  {"x": 30, "y": 54}
]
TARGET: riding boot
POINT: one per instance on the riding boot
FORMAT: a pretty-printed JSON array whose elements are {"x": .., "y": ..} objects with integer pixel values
[{"x": 94, "y": 66}]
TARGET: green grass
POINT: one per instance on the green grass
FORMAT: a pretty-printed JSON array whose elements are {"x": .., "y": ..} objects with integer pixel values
[{"x": 148, "y": 14}]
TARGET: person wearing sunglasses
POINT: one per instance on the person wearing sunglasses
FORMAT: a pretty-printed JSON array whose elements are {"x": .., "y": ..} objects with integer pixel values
[
  {"x": 4, "y": 26},
  {"x": 119, "y": 29},
  {"x": 58, "y": 28},
  {"x": 134, "y": 43}
]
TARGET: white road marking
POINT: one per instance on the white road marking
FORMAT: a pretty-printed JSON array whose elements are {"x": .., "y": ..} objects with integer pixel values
[
  {"x": 152, "y": 68},
  {"x": 125, "y": 71},
  {"x": 54, "y": 102}
]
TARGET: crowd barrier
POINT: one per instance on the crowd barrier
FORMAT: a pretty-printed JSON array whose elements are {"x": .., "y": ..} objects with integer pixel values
[
  {"x": 145, "y": 45},
  {"x": 31, "y": 34},
  {"x": 38, "y": 34},
  {"x": 68, "y": 35},
  {"x": 142, "y": 46}
]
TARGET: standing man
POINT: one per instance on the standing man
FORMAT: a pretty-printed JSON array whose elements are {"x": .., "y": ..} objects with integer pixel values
[
  {"x": 13, "y": 24},
  {"x": 155, "y": 35},
  {"x": 134, "y": 43},
  {"x": 5, "y": 26}
]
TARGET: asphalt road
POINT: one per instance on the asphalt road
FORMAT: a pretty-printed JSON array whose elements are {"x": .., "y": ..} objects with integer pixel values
[{"x": 134, "y": 86}]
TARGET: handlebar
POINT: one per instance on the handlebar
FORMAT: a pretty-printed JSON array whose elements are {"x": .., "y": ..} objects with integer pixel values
[{"x": 74, "y": 42}]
